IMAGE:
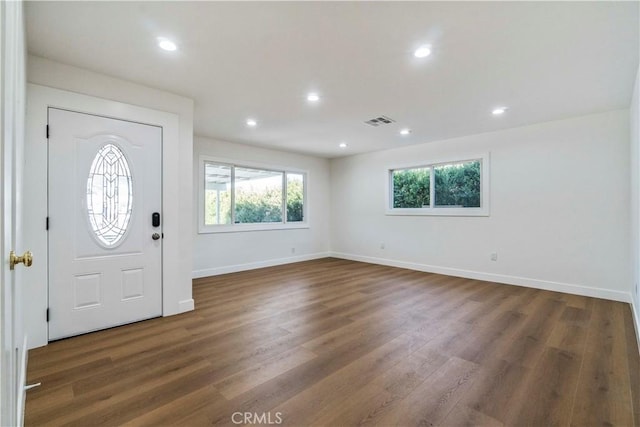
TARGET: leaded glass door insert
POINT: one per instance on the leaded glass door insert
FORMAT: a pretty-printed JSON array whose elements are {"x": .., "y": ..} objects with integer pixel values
[{"x": 109, "y": 195}]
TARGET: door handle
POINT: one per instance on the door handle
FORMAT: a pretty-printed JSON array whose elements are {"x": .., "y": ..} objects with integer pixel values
[
  {"x": 26, "y": 259},
  {"x": 155, "y": 236}
]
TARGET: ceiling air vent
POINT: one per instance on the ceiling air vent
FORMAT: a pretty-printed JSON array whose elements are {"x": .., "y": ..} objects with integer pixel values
[{"x": 378, "y": 121}]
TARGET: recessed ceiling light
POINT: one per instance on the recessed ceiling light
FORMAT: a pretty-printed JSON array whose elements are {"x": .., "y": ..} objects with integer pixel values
[
  {"x": 251, "y": 122},
  {"x": 313, "y": 97},
  {"x": 166, "y": 44},
  {"x": 498, "y": 111},
  {"x": 343, "y": 145},
  {"x": 405, "y": 132},
  {"x": 423, "y": 51}
]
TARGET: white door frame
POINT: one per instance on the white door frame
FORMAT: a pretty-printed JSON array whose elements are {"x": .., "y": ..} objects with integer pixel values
[{"x": 39, "y": 98}]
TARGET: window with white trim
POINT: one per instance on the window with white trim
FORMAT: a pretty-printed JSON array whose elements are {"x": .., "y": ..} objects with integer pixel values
[
  {"x": 244, "y": 197},
  {"x": 456, "y": 188}
]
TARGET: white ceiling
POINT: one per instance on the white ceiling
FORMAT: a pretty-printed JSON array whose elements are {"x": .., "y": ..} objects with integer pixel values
[{"x": 543, "y": 60}]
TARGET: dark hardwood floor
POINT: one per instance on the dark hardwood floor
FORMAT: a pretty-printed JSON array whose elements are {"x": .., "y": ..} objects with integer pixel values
[{"x": 334, "y": 342}]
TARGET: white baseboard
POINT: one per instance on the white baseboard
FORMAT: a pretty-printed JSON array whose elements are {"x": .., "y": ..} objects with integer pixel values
[
  {"x": 186, "y": 305},
  {"x": 492, "y": 277},
  {"x": 635, "y": 312},
  {"x": 258, "y": 264}
]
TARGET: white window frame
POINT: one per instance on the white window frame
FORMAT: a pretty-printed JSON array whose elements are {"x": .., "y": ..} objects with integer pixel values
[
  {"x": 235, "y": 228},
  {"x": 483, "y": 210}
]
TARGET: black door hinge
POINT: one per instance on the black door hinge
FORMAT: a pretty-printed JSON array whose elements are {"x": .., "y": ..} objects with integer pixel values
[
  {"x": 47, "y": 131},
  {"x": 47, "y": 223},
  {"x": 47, "y": 314}
]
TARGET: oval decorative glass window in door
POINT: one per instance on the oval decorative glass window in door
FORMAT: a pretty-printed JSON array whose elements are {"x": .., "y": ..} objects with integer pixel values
[{"x": 109, "y": 195}]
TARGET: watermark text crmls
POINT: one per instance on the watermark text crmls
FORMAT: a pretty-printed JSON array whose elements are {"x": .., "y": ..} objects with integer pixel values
[{"x": 256, "y": 418}]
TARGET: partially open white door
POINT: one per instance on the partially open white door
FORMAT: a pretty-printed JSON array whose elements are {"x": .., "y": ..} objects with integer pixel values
[
  {"x": 105, "y": 235},
  {"x": 12, "y": 96}
]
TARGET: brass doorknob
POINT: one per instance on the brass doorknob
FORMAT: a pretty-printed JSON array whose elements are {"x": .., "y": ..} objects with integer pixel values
[{"x": 26, "y": 259}]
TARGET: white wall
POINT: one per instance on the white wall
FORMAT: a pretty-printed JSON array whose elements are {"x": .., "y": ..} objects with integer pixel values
[
  {"x": 218, "y": 253},
  {"x": 559, "y": 209},
  {"x": 123, "y": 98},
  {"x": 634, "y": 115}
]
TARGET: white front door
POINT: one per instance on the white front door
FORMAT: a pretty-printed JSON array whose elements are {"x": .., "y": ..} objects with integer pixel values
[{"x": 105, "y": 234}]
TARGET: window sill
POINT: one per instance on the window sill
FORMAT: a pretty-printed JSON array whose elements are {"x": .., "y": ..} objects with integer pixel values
[
  {"x": 438, "y": 212},
  {"x": 241, "y": 228}
]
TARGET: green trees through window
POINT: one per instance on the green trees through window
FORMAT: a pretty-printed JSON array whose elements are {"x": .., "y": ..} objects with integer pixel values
[
  {"x": 458, "y": 185},
  {"x": 453, "y": 185},
  {"x": 295, "y": 197},
  {"x": 259, "y": 196},
  {"x": 411, "y": 188}
]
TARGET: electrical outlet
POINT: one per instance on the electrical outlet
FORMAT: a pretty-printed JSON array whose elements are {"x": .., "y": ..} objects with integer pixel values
[
  {"x": 293, "y": 250},
  {"x": 494, "y": 256},
  {"x": 382, "y": 245}
]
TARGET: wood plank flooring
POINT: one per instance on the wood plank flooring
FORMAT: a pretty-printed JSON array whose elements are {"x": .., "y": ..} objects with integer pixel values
[{"x": 334, "y": 342}]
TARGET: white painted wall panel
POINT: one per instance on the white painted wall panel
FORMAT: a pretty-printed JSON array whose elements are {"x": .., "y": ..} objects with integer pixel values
[{"x": 559, "y": 209}]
